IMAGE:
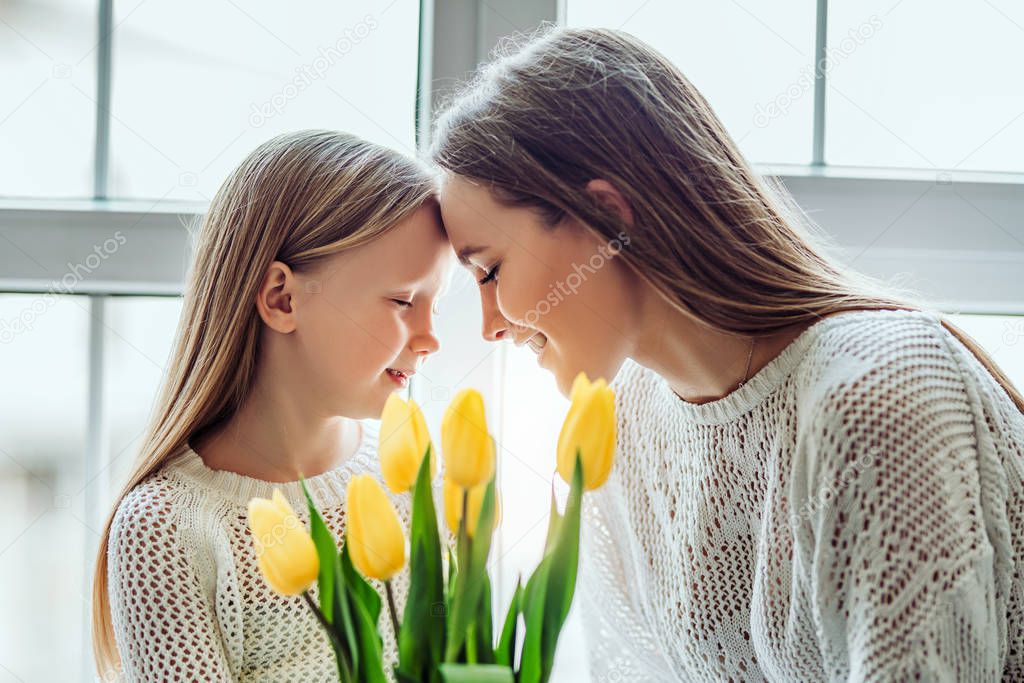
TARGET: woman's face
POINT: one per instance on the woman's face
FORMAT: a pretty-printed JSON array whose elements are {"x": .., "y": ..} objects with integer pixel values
[{"x": 560, "y": 290}]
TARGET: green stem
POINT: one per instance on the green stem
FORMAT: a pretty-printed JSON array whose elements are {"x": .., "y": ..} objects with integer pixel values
[
  {"x": 470, "y": 645},
  {"x": 391, "y": 608},
  {"x": 339, "y": 647},
  {"x": 464, "y": 522}
]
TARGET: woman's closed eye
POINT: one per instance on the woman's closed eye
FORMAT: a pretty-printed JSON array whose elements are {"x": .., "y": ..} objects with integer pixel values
[
  {"x": 403, "y": 303},
  {"x": 490, "y": 275}
]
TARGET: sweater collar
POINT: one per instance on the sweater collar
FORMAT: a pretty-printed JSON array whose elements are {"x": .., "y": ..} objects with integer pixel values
[{"x": 327, "y": 489}]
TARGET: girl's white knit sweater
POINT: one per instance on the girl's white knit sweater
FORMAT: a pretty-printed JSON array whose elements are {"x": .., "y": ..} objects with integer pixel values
[
  {"x": 187, "y": 600},
  {"x": 854, "y": 512}
]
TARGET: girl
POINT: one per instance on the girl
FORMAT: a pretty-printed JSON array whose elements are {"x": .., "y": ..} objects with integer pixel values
[
  {"x": 816, "y": 480},
  {"x": 308, "y": 303}
]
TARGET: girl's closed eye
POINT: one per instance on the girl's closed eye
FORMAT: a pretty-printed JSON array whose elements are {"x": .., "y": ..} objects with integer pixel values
[
  {"x": 490, "y": 275},
  {"x": 402, "y": 302}
]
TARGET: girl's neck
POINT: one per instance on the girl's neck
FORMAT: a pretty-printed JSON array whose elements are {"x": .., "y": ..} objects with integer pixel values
[{"x": 273, "y": 439}]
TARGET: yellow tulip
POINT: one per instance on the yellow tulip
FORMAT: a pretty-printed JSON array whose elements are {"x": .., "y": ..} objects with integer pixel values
[
  {"x": 468, "y": 448},
  {"x": 453, "y": 506},
  {"x": 403, "y": 443},
  {"x": 376, "y": 541},
  {"x": 589, "y": 427},
  {"x": 285, "y": 552}
]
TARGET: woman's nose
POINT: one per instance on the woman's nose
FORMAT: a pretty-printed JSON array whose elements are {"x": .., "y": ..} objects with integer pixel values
[{"x": 496, "y": 327}]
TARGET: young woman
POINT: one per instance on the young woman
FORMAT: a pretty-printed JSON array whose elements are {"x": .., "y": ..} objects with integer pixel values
[
  {"x": 817, "y": 479},
  {"x": 309, "y": 302}
]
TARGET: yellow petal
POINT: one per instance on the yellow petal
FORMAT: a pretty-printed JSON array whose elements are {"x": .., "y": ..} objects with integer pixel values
[
  {"x": 403, "y": 443},
  {"x": 453, "y": 494},
  {"x": 285, "y": 553},
  {"x": 468, "y": 447},
  {"x": 374, "y": 531},
  {"x": 590, "y": 428}
]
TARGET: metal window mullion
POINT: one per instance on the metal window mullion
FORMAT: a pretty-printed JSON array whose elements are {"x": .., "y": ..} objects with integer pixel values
[
  {"x": 96, "y": 488},
  {"x": 104, "y": 53},
  {"x": 820, "y": 69}
]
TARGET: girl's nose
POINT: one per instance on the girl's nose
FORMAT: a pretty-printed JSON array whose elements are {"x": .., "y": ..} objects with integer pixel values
[{"x": 425, "y": 343}]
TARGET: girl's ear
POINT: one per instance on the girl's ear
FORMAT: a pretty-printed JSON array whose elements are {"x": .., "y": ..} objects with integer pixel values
[
  {"x": 276, "y": 298},
  {"x": 609, "y": 197}
]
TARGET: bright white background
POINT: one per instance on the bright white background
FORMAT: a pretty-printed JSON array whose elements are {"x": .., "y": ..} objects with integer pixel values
[{"x": 931, "y": 89}]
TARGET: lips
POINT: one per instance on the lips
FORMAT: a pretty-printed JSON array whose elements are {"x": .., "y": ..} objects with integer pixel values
[
  {"x": 400, "y": 374},
  {"x": 537, "y": 342}
]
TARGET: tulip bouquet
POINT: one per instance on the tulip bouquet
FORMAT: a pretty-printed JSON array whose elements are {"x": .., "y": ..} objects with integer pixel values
[{"x": 446, "y": 630}]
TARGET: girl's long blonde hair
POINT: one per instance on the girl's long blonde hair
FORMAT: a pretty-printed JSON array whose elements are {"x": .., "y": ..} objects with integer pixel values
[
  {"x": 545, "y": 117},
  {"x": 297, "y": 198}
]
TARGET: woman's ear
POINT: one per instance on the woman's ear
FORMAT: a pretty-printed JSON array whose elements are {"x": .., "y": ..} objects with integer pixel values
[
  {"x": 275, "y": 299},
  {"x": 609, "y": 196}
]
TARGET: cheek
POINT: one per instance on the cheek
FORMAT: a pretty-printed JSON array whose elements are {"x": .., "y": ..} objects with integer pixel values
[
  {"x": 526, "y": 295},
  {"x": 352, "y": 341}
]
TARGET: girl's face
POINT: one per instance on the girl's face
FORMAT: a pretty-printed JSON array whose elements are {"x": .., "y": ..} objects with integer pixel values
[
  {"x": 364, "y": 324},
  {"x": 559, "y": 290}
]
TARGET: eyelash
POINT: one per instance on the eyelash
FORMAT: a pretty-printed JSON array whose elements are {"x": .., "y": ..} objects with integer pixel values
[
  {"x": 403, "y": 304},
  {"x": 491, "y": 275}
]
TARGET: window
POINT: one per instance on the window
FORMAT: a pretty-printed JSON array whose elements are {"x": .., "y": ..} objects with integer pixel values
[
  {"x": 926, "y": 85},
  {"x": 194, "y": 87},
  {"x": 901, "y": 77},
  {"x": 47, "y": 104},
  {"x": 755, "y": 65}
]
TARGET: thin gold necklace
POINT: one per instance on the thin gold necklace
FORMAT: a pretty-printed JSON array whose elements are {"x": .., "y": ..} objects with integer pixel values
[{"x": 750, "y": 355}]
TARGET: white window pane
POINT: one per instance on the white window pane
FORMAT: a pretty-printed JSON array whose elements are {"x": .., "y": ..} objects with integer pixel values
[
  {"x": 139, "y": 336},
  {"x": 43, "y": 531},
  {"x": 532, "y": 415},
  {"x": 198, "y": 85},
  {"x": 1002, "y": 336},
  {"x": 48, "y": 98},
  {"x": 753, "y": 62},
  {"x": 937, "y": 85}
]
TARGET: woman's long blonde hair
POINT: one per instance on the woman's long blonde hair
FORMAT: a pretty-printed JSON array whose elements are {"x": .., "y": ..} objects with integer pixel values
[
  {"x": 545, "y": 117},
  {"x": 297, "y": 198}
]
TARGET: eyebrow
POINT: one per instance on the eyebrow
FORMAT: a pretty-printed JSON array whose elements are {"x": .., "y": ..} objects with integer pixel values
[{"x": 467, "y": 252}]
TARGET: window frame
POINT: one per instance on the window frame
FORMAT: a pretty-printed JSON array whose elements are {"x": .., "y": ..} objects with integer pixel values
[{"x": 965, "y": 271}]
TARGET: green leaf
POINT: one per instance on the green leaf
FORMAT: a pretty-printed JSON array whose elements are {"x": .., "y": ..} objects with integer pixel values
[
  {"x": 469, "y": 579},
  {"x": 554, "y": 524},
  {"x": 505, "y": 653},
  {"x": 422, "y": 633},
  {"x": 483, "y": 626},
  {"x": 550, "y": 590},
  {"x": 363, "y": 603},
  {"x": 358, "y": 586},
  {"x": 530, "y": 664},
  {"x": 343, "y": 613},
  {"x": 326, "y": 549},
  {"x": 477, "y": 673}
]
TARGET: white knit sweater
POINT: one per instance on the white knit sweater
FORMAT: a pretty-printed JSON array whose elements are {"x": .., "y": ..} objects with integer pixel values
[
  {"x": 187, "y": 600},
  {"x": 854, "y": 512}
]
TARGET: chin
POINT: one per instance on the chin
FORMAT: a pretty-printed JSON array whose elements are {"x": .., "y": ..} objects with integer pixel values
[{"x": 606, "y": 368}]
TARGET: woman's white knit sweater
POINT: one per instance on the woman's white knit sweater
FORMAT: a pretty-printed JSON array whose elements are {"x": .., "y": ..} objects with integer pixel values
[
  {"x": 854, "y": 512},
  {"x": 187, "y": 600}
]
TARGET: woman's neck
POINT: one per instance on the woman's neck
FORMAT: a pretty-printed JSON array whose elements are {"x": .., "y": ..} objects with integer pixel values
[{"x": 699, "y": 363}]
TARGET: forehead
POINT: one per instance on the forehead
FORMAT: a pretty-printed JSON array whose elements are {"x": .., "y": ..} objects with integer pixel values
[
  {"x": 473, "y": 219},
  {"x": 413, "y": 252}
]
